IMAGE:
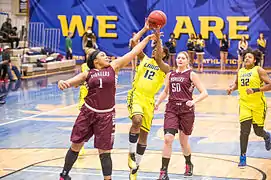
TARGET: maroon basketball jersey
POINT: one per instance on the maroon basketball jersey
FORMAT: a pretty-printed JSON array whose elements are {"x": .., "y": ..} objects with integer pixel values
[
  {"x": 180, "y": 86},
  {"x": 101, "y": 88}
]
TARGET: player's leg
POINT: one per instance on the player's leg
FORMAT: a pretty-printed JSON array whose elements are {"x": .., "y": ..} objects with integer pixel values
[
  {"x": 136, "y": 115},
  {"x": 186, "y": 124},
  {"x": 244, "y": 136},
  {"x": 70, "y": 159},
  {"x": 258, "y": 125},
  {"x": 171, "y": 126},
  {"x": 148, "y": 109},
  {"x": 140, "y": 150},
  {"x": 225, "y": 59},
  {"x": 82, "y": 131},
  {"x": 104, "y": 131},
  {"x": 106, "y": 163},
  {"x": 221, "y": 60}
]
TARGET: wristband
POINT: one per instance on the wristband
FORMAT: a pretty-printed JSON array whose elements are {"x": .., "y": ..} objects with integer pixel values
[{"x": 256, "y": 89}]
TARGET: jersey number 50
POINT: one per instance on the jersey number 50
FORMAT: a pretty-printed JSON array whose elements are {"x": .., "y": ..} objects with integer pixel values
[
  {"x": 149, "y": 74},
  {"x": 245, "y": 82},
  {"x": 176, "y": 87}
]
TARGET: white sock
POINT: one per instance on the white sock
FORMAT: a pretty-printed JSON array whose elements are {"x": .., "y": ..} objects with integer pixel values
[
  {"x": 132, "y": 147},
  {"x": 138, "y": 158}
]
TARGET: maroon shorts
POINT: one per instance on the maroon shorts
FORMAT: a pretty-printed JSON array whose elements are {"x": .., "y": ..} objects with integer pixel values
[
  {"x": 179, "y": 116},
  {"x": 101, "y": 125}
]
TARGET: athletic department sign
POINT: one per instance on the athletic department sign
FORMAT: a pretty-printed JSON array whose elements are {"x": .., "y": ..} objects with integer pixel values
[{"x": 114, "y": 21}]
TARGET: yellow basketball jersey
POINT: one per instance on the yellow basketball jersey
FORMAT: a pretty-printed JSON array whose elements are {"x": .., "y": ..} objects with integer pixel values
[
  {"x": 83, "y": 89},
  {"x": 261, "y": 42},
  {"x": 249, "y": 78},
  {"x": 148, "y": 78}
]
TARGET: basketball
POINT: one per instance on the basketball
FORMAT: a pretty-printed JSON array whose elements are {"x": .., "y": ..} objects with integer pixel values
[{"x": 157, "y": 18}]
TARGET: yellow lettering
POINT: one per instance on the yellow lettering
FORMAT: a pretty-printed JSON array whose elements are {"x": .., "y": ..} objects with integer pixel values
[
  {"x": 103, "y": 26},
  {"x": 234, "y": 27},
  {"x": 179, "y": 27},
  {"x": 206, "y": 28},
  {"x": 76, "y": 23}
]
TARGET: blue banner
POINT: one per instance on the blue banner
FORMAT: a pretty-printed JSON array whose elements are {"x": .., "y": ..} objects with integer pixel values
[{"x": 113, "y": 22}]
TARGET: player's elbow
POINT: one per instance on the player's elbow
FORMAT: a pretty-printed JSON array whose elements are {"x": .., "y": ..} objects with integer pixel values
[{"x": 205, "y": 93}]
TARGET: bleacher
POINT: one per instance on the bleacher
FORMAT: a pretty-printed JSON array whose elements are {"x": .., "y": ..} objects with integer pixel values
[
  {"x": 29, "y": 66},
  {"x": 38, "y": 38}
]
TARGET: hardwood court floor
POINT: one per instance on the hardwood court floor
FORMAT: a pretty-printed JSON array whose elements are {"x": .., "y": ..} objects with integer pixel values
[{"x": 36, "y": 122}]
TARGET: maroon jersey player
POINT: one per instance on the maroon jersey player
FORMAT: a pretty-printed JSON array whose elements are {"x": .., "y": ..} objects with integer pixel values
[
  {"x": 97, "y": 114},
  {"x": 179, "y": 115}
]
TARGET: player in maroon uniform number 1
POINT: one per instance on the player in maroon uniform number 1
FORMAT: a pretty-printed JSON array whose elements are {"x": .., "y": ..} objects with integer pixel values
[
  {"x": 179, "y": 115},
  {"x": 98, "y": 113}
]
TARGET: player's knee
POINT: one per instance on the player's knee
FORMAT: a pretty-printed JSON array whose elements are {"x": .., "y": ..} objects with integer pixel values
[
  {"x": 137, "y": 119},
  {"x": 169, "y": 138},
  {"x": 76, "y": 147},
  {"x": 258, "y": 130},
  {"x": 106, "y": 163}
]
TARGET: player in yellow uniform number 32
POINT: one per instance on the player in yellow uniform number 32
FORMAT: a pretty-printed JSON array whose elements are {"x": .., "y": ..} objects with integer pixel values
[{"x": 251, "y": 82}]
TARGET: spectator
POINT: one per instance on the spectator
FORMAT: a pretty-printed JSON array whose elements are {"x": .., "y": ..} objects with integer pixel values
[
  {"x": 224, "y": 48},
  {"x": 69, "y": 46},
  {"x": 89, "y": 39},
  {"x": 9, "y": 66},
  {"x": 261, "y": 42},
  {"x": 199, "y": 48},
  {"x": 171, "y": 45},
  {"x": 9, "y": 33},
  {"x": 242, "y": 46},
  {"x": 191, "y": 48}
]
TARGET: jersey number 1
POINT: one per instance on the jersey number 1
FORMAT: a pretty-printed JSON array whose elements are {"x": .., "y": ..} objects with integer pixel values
[
  {"x": 149, "y": 74},
  {"x": 101, "y": 83}
]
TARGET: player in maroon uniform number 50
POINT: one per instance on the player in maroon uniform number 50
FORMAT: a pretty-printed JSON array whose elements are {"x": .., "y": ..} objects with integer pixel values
[
  {"x": 98, "y": 113},
  {"x": 179, "y": 115}
]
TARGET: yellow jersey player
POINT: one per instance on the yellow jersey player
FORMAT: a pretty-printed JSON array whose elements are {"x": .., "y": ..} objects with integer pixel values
[
  {"x": 252, "y": 103},
  {"x": 148, "y": 80},
  {"x": 82, "y": 94}
]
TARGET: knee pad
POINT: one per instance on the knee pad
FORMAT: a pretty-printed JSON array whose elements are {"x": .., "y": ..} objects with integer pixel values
[{"x": 106, "y": 163}]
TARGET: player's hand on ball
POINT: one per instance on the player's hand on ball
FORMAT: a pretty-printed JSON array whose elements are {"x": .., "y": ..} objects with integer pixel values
[
  {"x": 147, "y": 26},
  {"x": 190, "y": 103},
  {"x": 63, "y": 85},
  {"x": 250, "y": 91}
]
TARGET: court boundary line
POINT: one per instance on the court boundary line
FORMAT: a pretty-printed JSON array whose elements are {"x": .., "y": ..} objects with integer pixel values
[
  {"x": 264, "y": 176},
  {"x": 51, "y": 111}
]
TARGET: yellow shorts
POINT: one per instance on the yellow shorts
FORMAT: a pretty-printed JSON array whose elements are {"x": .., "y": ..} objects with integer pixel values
[
  {"x": 140, "y": 104},
  {"x": 256, "y": 114}
]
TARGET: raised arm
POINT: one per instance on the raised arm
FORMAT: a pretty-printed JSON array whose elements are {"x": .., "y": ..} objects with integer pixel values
[
  {"x": 158, "y": 55},
  {"x": 163, "y": 95},
  {"x": 124, "y": 60},
  {"x": 74, "y": 81},
  {"x": 137, "y": 38},
  {"x": 203, "y": 92}
]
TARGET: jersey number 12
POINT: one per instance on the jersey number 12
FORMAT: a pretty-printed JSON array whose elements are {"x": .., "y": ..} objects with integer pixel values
[{"x": 149, "y": 74}]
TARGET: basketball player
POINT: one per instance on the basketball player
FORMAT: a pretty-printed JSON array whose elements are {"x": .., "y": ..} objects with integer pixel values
[
  {"x": 83, "y": 92},
  {"x": 148, "y": 80},
  {"x": 252, "y": 103},
  {"x": 97, "y": 114},
  {"x": 179, "y": 115}
]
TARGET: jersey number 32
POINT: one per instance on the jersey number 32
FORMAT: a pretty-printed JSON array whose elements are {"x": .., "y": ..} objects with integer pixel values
[{"x": 245, "y": 82}]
